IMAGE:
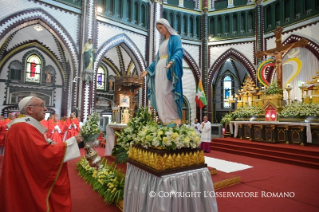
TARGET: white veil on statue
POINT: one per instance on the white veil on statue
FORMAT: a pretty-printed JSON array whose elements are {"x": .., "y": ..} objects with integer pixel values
[{"x": 164, "y": 22}]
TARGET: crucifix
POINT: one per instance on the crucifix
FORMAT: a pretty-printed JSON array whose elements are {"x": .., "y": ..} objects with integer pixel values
[{"x": 279, "y": 51}]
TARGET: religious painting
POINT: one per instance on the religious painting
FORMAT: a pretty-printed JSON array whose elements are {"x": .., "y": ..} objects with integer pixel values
[
  {"x": 100, "y": 83},
  {"x": 124, "y": 100},
  {"x": 33, "y": 70}
]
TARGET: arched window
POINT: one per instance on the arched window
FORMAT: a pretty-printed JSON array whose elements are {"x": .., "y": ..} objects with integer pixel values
[
  {"x": 191, "y": 26},
  {"x": 178, "y": 24},
  {"x": 227, "y": 90},
  {"x": 100, "y": 83},
  {"x": 185, "y": 26},
  {"x": 33, "y": 71}
]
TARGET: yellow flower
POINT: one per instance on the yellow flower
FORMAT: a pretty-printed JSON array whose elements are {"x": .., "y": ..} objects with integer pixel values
[
  {"x": 174, "y": 135},
  {"x": 160, "y": 132},
  {"x": 114, "y": 189},
  {"x": 165, "y": 139},
  {"x": 197, "y": 139},
  {"x": 187, "y": 139},
  {"x": 193, "y": 134}
]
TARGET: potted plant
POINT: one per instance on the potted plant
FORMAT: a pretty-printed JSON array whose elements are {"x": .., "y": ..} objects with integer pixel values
[{"x": 272, "y": 91}]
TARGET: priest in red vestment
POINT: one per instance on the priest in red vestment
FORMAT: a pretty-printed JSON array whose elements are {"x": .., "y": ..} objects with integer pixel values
[
  {"x": 55, "y": 129},
  {"x": 34, "y": 173},
  {"x": 72, "y": 126},
  {"x": 4, "y": 131}
]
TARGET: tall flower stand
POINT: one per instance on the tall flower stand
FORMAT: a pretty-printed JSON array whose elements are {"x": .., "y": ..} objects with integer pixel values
[{"x": 161, "y": 180}]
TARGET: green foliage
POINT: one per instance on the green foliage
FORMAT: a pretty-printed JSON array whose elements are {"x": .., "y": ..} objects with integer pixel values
[
  {"x": 128, "y": 134},
  {"x": 301, "y": 109},
  {"x": 247, "y": 111},
  {"x": 91, "y": 129},
  {"x": 142, "y": 130},
  {"x": 227, "y": 118},
  {"x": 107, "y": 180},
  {"x": 272, "y": 89}
]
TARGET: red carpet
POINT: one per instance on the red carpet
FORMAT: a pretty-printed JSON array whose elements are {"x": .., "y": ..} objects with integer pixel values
[
  {"x": 269, "y": 176},
  {"x": 265, "y": 176},
  {"x": 306, "y": 156}
]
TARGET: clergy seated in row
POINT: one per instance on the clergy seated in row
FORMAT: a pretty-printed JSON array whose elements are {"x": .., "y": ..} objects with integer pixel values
[
  {"x": 72, "y": 127},
  {"x": 56, "y": 129},
  {"x": 34, "y": 175}
]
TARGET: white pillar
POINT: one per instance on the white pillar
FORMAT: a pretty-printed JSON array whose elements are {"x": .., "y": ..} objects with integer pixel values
[{"x": 230, "y": 3}]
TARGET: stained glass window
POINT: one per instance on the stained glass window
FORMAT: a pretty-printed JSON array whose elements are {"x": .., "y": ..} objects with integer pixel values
[
  {"x": 227, "y": 90},
  {"x": 33, "y": 71},
  {"x": 100, "y": 83}
]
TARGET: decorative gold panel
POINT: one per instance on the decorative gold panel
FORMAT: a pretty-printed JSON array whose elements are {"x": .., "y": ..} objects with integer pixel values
[
  {"x": 281, "y": 135},
  {"x": 295, "y": 136},
  {"x": 247, "y": 132},
  {"x": 169, "y": 160},
  {"x": 257, "y": 134},
  {"x": 268, "y": 134}
]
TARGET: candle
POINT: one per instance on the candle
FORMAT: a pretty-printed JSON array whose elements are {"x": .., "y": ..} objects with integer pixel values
[
  {"x": 242, "y": 89},
  {"x": 288, "y": 85},
  {"x": 310, "y": 97},
  {"x": 302, "y": 83},
  {"x": 318, "y": 80},
  {"x": 263, "y": 88},
  {"x": 295, "y": 98}
]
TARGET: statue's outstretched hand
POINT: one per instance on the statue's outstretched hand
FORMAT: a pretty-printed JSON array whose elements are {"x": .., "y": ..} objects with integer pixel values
[
  {"x": 144, "y": 73},
  {"x": 169, "y": 64}
]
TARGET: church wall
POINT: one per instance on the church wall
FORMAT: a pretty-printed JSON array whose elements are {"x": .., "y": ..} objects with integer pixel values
[
  {"x": 57, "y": 95},
  {"x": 193, "y": 50},
  {"x": 69, "y": 20},
  {"x": 107, "y": 31},
  {"x": 189, "y": 90},
  {"x": 310, "y": 32},
  {"x": 247, "y": 49}
]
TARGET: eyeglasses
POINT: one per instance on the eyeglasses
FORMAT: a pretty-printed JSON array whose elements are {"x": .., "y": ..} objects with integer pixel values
[{"x": 40, "y": 105}]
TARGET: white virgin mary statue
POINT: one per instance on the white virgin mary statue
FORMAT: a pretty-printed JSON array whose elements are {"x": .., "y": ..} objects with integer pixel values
[{"x": 164, "y": 76}]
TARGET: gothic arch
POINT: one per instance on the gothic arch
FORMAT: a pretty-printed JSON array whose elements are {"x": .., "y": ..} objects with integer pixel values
[
  {"x": 127, "y": 44},
  {"x": 235, "y": 55},
  {"x": 39, "y": 46},
  {"x": 192, "y": 64},
  {"x": 313, "y": 47},
  {"x": 28, "y": 17}
]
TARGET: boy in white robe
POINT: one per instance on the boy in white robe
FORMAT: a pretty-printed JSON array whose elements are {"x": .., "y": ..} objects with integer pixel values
[{"x": 205, "y": 129}]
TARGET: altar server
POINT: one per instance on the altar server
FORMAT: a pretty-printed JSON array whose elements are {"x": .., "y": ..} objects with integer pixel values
[{"x": 205, "y": 129}]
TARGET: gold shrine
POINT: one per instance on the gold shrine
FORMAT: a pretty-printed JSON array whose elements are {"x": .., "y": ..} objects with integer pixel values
[
  {"x": 313, "y": 97},
  {"x": 126, "y": 88}
]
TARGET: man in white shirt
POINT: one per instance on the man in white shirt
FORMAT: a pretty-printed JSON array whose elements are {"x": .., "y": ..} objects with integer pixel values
[{"x": 205, "y": 138}]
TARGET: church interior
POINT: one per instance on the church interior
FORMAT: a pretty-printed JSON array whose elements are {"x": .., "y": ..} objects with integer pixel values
[{"x": 42, "y": 53}]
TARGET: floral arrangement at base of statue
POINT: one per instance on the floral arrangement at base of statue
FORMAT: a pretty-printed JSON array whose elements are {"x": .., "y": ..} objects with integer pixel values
[
  {"x": 107, "y": 181},
  {"x": 142, "y": 130},
  {"x": 90, "y": 132},
  {"x": 298, "y": 109}
]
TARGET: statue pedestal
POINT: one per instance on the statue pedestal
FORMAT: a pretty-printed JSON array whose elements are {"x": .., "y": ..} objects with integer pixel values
[{"x": 87, "y": 75}]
